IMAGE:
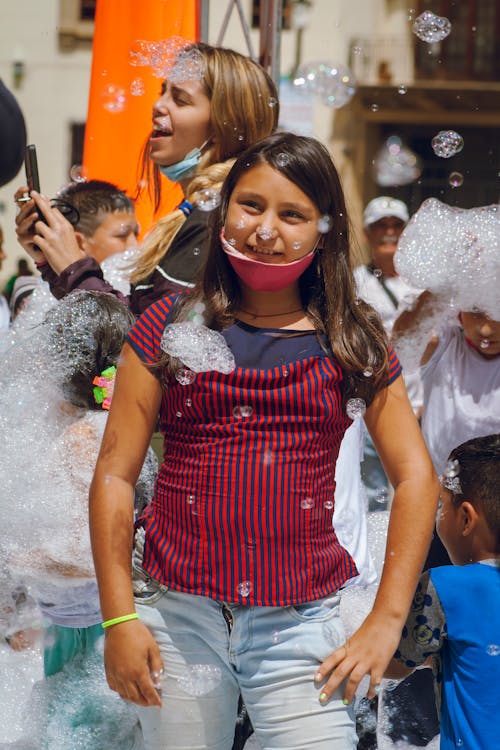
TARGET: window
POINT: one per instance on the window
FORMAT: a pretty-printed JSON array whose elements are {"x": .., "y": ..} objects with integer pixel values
[
  {"x": 471, "y": 51},
  {"x": 76, "y": 23}
]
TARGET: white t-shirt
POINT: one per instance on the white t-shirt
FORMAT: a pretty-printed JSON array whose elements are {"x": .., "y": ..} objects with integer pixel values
[
  {"x": 351, "y": 504},
  {"x": 461, "y": 396},
  {"x": 371, "y": 290},
  {"x": 4, "y": 313}
]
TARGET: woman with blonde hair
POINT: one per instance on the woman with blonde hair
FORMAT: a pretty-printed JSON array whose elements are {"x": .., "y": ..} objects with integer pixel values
[{"x": 214, "y": 103}]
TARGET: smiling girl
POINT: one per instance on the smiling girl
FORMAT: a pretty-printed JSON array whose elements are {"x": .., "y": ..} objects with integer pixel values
[{"x": 253, "y": 376}]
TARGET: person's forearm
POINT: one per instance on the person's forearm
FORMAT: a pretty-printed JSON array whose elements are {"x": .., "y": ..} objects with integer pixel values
[
  {"x": 410, "y": 530},
  {"x": 111, "y": 532}
]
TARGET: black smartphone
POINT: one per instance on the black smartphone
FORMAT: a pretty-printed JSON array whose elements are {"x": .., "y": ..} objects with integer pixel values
[{"x": 31, "y": 167}]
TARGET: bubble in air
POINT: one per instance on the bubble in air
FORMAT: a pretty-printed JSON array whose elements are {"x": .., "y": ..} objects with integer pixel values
[
  {"x": 325, "y": 223},
  {"x": 190, "y": 499},
  {"x": 456, "y": 179},
  {"x": 377, "y": 272},
  {"x": 355, "y": 408},
  {"x": 431, "y": 28},
  {"x": 484, "y": 344},
  {"x": 328, "y": 504},
  {"x": 78, "y": 173},
  {"x": 374, "y": 107},
  {"x": 493, "y": 649},
  {"x": 395, "y": 164},
  {"x": 296, "y": 245},
  {"x": 333, "y": 83},
  {"x": 447, "y": 143},
  {"x": 184, "y": 376},
  {"x": 208, "y": 199},
  {"x": 402, "y": 89},
  {"x": 272, "y": 101},
  {"x": 245, "y": 588},
  {"x": 368, "y": 372},
  {"x": 113, "y": 98},
  {"x": 196, "y": 251},
  {"x": 137, "y": 87}
]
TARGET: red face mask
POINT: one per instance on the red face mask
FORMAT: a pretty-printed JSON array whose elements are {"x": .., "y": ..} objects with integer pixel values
[{"x": 265, "y": 277}]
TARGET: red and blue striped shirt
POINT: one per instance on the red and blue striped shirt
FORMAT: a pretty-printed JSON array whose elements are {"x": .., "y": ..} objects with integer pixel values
[{"x": 243, "y": 504}]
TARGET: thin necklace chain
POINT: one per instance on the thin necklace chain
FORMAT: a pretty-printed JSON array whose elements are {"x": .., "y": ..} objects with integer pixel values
[{"x": 271, "y": 315}]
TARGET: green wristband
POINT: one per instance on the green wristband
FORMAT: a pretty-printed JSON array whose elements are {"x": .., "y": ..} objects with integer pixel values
[{"x": 117, "y": 620}]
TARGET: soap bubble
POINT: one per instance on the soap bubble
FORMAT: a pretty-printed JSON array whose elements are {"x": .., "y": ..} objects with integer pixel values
[
  {"x": 282, "y": 160},
  {"x": 137, "y": 87},
  {"x": 185, "y": 376},
  {"x": 395, "y": 164},
  {"x": 208, "y": 199},
  {"x": 113, "y": 98},
  {"x": 78, "y": 173},
  {"x": 328, "y": 504},
  {"x": 355, "y": 407},
  {"x": 307, "y": 503},
  {"x": 333, "y": 83},
  {"x": 368, "y": 372},
  {"x": 325, "y": 223},
  {"x": 431, "y": 28},
  {"x": 447, "y": 143},
  {"x": 242, "y": 412},
  {"x": 200, "y": 679},
  {"x": 374, "y": 107},
  {"x": 272, "y": 101},
  {"x": 245, "y": 588},
  {"x": 456, "y": 179},
  {"x": 493, "y": 649},
  {"x": 402, "y": 89}
]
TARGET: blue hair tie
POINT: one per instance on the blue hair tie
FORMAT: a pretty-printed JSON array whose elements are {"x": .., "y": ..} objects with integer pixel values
[{"x": 186, "y": 207}]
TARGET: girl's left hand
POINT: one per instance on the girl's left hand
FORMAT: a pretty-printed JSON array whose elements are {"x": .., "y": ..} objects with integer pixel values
[{"x": 368, "y": 651}]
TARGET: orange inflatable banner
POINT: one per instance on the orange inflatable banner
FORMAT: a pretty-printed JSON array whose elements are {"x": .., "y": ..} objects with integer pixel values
[{"x": 121, "y": 95}]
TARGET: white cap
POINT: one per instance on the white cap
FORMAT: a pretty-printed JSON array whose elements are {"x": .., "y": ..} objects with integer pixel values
[{"x": 383, "y": 206}]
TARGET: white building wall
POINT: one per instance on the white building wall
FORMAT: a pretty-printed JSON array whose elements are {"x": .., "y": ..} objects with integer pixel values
[{"x": 52, "y": 95}]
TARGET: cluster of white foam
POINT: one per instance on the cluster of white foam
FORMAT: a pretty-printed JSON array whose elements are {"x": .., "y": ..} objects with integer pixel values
[
  {"x": 454, "y": 253},
  {"x": 199, "y": 348},
  {"x": 169, "y": 58}
]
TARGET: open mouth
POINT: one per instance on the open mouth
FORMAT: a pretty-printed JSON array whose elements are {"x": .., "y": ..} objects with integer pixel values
[{"x": 158, "y": 133}]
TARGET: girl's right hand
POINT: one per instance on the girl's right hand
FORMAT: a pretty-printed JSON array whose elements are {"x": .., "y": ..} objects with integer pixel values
[
  {"x": 131, "y": 658},
  {"x": 25, "y": 225}
]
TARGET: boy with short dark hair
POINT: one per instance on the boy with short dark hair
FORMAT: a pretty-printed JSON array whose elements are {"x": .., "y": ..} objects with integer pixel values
[{"x": 455, "y": 615}]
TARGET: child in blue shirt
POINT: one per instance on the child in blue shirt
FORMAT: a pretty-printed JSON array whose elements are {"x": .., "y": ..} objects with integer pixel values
[{"x": 455, "y": 615}]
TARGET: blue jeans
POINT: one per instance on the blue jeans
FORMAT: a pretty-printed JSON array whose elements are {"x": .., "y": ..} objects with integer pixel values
[{"x": 212, "y": 651}]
